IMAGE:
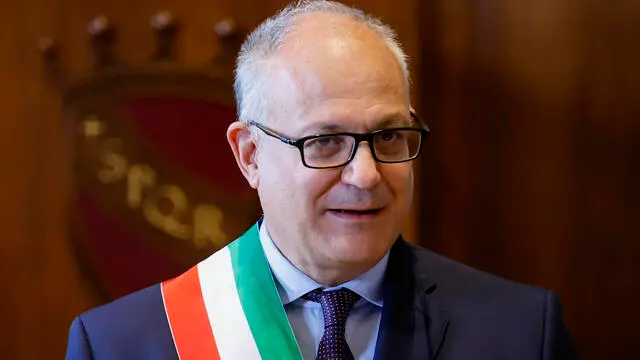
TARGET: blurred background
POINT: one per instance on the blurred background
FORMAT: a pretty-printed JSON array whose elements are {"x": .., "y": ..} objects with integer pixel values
[{"x": 532, "y": 171}]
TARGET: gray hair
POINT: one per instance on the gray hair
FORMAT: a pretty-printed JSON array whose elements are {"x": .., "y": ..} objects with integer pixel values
[{"x": 265, "y": 41}]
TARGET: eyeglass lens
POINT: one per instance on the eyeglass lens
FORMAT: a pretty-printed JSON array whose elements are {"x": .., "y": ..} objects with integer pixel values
[{"x": 334, "y": 150}]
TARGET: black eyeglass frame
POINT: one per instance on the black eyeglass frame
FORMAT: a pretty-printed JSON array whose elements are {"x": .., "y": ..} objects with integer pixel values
[{"x": 358, "y": 137}]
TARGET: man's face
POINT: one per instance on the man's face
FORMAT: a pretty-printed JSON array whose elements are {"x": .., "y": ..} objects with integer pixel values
[{"x": 347, "y": 216}]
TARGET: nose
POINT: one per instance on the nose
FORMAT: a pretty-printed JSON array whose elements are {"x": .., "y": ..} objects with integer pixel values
[{"x": 362, "y": 172}]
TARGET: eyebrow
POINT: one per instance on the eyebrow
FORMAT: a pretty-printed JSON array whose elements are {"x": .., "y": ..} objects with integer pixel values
[{"x": 395, "y": 120}]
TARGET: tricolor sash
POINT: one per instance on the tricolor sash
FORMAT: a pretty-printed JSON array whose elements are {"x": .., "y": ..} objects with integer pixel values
[{"x": 228, "y": 307}]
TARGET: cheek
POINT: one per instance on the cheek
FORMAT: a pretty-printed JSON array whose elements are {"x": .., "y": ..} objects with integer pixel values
[
  {"x": 307, "y": 192},
  {"x": 318, "y": 185},
  {"x": 400, "y": 180},
  {"x": 273, "y": 178},
  {"x": 287, "y": 183}
]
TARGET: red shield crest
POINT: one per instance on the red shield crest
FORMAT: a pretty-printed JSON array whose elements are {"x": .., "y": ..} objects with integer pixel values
[{"x": 156, "y": 188}]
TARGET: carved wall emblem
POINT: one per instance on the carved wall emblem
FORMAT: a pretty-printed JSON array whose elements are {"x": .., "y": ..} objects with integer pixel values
[{"x": 156, "y": 188}]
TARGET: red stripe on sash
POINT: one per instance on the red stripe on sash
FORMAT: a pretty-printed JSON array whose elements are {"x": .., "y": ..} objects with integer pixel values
[{"x": 188, "y": 317}]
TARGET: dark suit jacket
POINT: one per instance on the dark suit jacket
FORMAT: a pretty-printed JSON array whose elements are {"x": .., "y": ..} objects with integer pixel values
[{"x": 434, "y": 308}]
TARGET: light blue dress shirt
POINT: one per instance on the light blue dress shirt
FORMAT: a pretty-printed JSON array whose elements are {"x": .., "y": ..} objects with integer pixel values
[{"x": 305, "y": 317}]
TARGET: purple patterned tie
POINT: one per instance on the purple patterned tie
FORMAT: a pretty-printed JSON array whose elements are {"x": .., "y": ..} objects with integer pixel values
[{"x": 336, "y": 305}]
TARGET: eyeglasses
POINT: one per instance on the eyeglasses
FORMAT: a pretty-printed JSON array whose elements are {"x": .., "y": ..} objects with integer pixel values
[{"x": 393, "y": 145}]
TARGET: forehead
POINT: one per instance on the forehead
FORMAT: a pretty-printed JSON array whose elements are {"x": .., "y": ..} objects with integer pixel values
[{"x": 333, "y": 68}]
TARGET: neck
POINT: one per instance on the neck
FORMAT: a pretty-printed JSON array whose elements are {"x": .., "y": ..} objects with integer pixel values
[{"x": 331, "y": 276}]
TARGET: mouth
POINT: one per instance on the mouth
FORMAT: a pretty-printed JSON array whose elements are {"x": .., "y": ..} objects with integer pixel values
[{"x": 355, "y": 214}]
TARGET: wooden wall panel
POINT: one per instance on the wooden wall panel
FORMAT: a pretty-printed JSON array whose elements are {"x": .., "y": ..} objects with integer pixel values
[
  {"x": 533, "y": 169},
  {"x": 43, "y": 287}
]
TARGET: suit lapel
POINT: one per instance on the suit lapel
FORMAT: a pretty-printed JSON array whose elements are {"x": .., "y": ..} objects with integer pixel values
[{"x": 413, "y": 323}]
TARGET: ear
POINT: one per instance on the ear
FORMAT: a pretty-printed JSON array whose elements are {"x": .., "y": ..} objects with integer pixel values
[{"x": 244, "y": 149}]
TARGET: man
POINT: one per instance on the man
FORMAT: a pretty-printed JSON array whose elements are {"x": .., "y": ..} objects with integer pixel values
[{"x": 326, "y": 135}]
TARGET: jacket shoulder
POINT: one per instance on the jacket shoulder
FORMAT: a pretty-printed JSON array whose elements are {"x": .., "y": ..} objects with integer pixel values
[
  {"x": 494, "y": 316},
  {"x": 134, "y": 324},
  {"x": 457, "y": 278},
  {"x": 467, "y": 292}
]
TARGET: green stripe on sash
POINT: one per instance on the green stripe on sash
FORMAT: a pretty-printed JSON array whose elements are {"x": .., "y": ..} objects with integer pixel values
[{"x": 260, "y": 300}]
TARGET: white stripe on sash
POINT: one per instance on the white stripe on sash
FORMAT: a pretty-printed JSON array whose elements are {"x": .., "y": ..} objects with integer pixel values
[{"x": 230, "y": 328}]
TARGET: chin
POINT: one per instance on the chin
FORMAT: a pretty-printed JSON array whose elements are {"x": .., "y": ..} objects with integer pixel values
[{"x": 360, "y": 248}]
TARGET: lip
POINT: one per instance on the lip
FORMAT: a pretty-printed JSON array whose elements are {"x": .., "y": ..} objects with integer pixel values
[{"x": 356, "y": 214}]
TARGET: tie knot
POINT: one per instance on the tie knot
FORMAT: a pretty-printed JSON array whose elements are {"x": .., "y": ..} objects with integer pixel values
[{"x": 336, "y": 305}]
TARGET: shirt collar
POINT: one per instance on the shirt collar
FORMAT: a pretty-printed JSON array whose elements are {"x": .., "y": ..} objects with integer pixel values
[{"x": 293, "y": 283}]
